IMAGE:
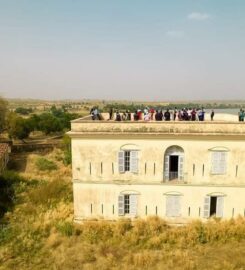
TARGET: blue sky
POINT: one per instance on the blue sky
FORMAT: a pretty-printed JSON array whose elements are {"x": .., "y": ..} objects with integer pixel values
[{"x": 131, "y": 50}]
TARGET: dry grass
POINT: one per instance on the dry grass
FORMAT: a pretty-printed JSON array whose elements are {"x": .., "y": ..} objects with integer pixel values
[{"x": 40, "y": 234}]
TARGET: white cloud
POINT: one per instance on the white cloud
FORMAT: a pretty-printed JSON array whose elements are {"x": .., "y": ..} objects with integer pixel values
[
  {"x": 175, "y": 34},
  {"x": 198, "y": 16}
]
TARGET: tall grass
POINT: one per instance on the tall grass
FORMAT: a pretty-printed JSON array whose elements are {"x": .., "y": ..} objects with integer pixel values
[
  {"x": 38, "y": 232},
  {"x": 44, "y": 164}
]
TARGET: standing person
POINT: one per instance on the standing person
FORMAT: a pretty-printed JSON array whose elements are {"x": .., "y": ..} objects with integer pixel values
[
  {"x": 199, "y": 115},
  {"x": 175, "y": 113},
  {"x": 160, "y": 115},
  {"x": 96, "y": 113},
  {"x": 136, "y": 118},
  {"x": 128, "y": 115},
  {"x": 189, "y": 114},
  {"x": 240, "y": 113},
  {"x": 111, "y": 113},
  {"x": 152, "y": 111},
  {"x": 193, "y": 115},
  {"x": 167, "y": 115},
  {"x": 139, "y": 112},
  {"x": 203, "y": 114},
  {"x": 124, "y": 116},
  {"x": 92, "y": 113},
  {"x": 242, "y": 116},
  {"x": 179, "y": 115},
  {"x": 118, "y": 116},
  {"x": 212, "y": 115}
]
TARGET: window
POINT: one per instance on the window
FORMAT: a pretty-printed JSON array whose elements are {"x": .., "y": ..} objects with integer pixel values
[
  {"x": 213, "y": 206},
  {"x": 173, "y": 207},
  {"x": 128, "y": 161},
  {"x": 219, "y": 160},
  {"x": 127, "y": 205}
]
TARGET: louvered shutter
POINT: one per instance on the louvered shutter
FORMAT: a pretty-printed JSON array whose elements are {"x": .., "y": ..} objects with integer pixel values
[
  {"x": 166, "y": 167},
  {"x": 121, "y": 205},
  {"x": 173, "y": 206},
  {"x": 168, "y": 206},
  {"x": 220, "y": 207},
  {"x": 206, "y": 207},
  {"x": 121, "y": 164},
  {"x": 181, "y": 168},
  {"x": 133, "y": 205},
  {"x": 215, "y": 161},
  {"x": 219, "y": 162},
  {"x": 177, "y": 206},
  {"x": 223, "y": 162},
  {"x": 134, "y": 161}
]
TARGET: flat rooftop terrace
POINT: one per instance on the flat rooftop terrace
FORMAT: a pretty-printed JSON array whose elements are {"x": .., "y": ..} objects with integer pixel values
[{"x": 87, "y": 127}]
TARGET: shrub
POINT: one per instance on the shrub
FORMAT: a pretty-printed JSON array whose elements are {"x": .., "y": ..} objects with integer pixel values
[
  {"x": 66, "y": 228},
  {"x": 49, "y": 193},
  {"x": 8, "y": 188},
  {"x": 44, "y": 164},
  {"x": 66, "y": 143}
]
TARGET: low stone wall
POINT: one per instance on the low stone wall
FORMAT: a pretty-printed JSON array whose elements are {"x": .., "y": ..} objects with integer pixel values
[
  {"x": 34, "y": 147},
  {"x": 200, "y": 128}
]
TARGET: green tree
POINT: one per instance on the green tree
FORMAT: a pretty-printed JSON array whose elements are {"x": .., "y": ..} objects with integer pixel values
[
  {"x": 18, "y": 127},
  {"x": 49, "y": 123},
  {"x": 3, "y": 112}
]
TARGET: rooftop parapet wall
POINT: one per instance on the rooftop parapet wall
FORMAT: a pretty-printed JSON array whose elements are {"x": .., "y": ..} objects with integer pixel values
[{"x": 140, "y": 127}]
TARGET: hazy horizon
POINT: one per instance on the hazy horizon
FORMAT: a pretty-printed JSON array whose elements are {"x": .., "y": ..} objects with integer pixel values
[{"x": 158, "y": 51}]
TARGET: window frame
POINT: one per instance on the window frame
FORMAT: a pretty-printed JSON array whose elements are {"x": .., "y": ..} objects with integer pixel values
[
  {"x": 218, "y": 162},
  {"x": 127, "y": 205},
  {"x": 128, "y": 161}
]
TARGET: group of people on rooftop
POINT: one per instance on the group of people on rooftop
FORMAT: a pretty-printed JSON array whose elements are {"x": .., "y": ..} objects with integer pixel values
[
  {"x": 147, "y": 114},
  {"x": 151, "y": 114}
]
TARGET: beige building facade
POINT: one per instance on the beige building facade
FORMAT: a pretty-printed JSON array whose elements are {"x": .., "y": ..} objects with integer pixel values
[{"x": 175, "y": 170}]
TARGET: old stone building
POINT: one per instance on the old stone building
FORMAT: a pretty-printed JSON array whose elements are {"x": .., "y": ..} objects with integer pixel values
[{"x": 176, "y": 170}]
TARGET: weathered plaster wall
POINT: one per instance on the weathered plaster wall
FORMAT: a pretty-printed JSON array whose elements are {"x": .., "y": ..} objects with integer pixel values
[
  {"x": 94, "y": 153},
  {"x": 153, "y": 196}
]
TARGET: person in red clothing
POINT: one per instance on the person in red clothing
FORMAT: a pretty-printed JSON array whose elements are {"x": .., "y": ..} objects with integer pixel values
[
  {"x": 193, "y": 115},
  {"x": 139, "y": 115},
  {"x": 152, "y": 111}
]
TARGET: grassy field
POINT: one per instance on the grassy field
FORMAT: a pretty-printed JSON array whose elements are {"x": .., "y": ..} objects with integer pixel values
[{"x": 37, "y": 231}]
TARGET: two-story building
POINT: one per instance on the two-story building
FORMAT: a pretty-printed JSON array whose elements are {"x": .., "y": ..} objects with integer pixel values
[{"x": 175, "y": 170}]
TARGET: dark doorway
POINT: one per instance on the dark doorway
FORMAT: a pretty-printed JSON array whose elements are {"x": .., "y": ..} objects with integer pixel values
[
  {"x": 173, "y": 167},
  {"x": 213, "y": 206}
]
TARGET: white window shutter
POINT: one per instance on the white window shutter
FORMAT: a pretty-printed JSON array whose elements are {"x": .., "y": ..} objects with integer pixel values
[
  {"x": 219, "y": 162},
  {"x": 134, "y": 161},
  {"x": 169, "y": 205},
  {"x": 206, "y": 207},
  {"x": 215, "y": 160},
  {"x": 181, "y": 168},
  {"x": 177, "y": 206},
  {"x": 166, "y": 167},
  {"x": 220, "y": 206},
  {"x": 133, "y": 205},
  {"x": 223, "y": 156},
  {"x": 173, "y": 206},
  {"x": 121, "y": 205},
  {"x": 121, "y": 164}
]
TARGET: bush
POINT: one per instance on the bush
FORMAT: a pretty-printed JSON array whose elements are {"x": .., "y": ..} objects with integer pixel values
[
  {"x": 49, "y": 193},
  {"x": 66, "y": 228},
  {"x": 66, "y": 143},
  {"x": 9, "y": 184},
  {"x": 44, "y": 164}
]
